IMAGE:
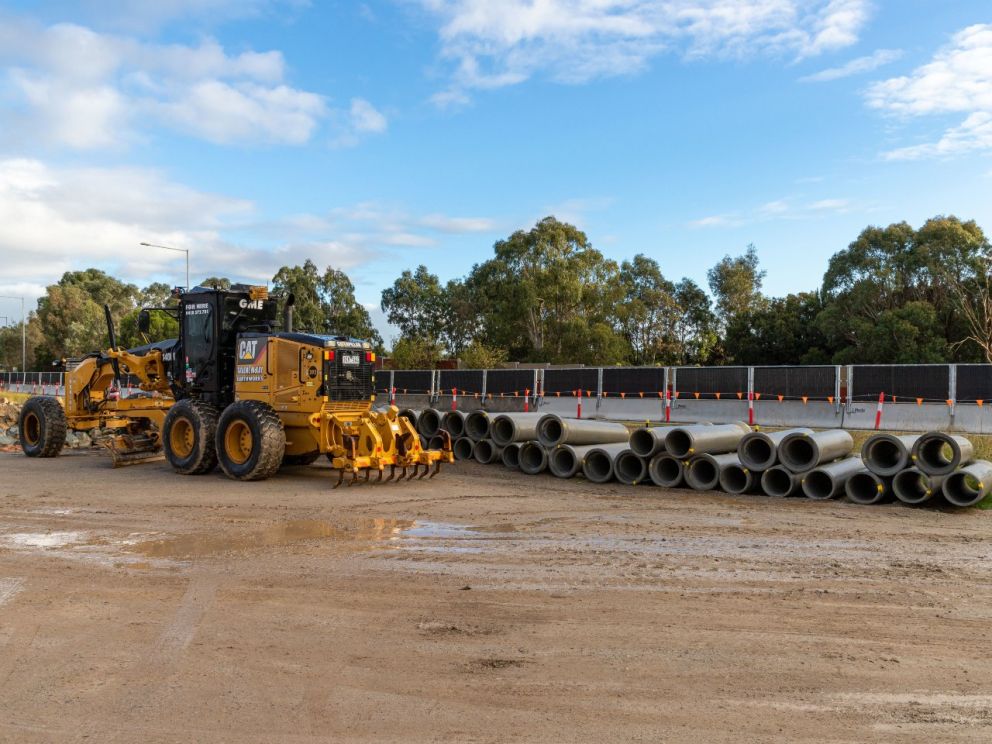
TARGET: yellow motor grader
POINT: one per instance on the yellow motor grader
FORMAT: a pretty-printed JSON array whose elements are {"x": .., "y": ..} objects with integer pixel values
[{"x": 232, "y": 390}]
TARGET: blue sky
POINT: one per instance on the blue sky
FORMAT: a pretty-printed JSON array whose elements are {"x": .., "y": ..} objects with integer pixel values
[{"x": 375, "y": 136}]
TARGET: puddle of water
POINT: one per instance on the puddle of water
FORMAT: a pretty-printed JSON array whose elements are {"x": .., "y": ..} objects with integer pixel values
[
  {"x": 42, "y": 539},
  {"x": 285, "y": 533}
]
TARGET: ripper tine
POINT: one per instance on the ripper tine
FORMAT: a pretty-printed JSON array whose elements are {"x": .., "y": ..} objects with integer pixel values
[
  {"x": 392, "y": 473},
  {"x": 379, "y": 479},
  {"x": 413, "y": 475},
  {"x": 340, "y": 478},
  {"x": 403, "y": 473},
  {"x": 427, "y": 469},
  {"x": 368, "y": 473},
  {"x": 437, "y": 468}
]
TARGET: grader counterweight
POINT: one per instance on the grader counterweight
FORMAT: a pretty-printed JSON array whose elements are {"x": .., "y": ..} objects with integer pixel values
[{"x": 234, "y": 391}]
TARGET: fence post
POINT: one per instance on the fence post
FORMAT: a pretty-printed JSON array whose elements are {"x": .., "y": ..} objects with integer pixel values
[
  {"x": 533, "y": 387},
  {"x": 952, "y": 389},
  {"x": 435, "y": 396},
  {"x": 850, "y": 387},
  {"x": 750, "y": 396},
  {"x": 599, "y": 388},
  {"x": 485, "y": 384},
  {"x": 837, "y": 389}
]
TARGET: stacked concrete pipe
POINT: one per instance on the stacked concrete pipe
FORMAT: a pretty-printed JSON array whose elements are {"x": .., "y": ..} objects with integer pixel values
[
  {"x": 828, "y": 481},
  {"x": 463, "y": 448},
  {"x": 801, "y": 452},
  {"x": 970, "y": 485},
  {"x": 565, "y": 460},
  {"x": 758, "y": 450},
  {"x": 429, "y": 422},
  {"x": 533, "y": 458},
  {"x": 937, "y": 453},
  {"x": 737, "y": 479},
  {"x": 478, "y": 425},
  {"x": 486, "y": 452},
  {"x": 703, "y": 471},
  {"x": 510, "y": 428},
  {"x": 887, "y": 454},
  {"x": 666, "y": 470},
  {"x": 412, "y": 414},
  {"x": 629, "y": 468},
  {"x": 866, "y": 488},
  {"x": 779, "y": 481},
  {"x": 597, "y": 466},
  {"x": 914, "y": 487},
  {"x": 511, "y": 456},
  {"x": 686, "y": 442},
  {"x": 453, "y": 422},
  {"x": 553, "y": 430}
]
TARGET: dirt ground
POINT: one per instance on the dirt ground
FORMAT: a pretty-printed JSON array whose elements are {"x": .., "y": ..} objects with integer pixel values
[{"x": 485, "y": 606}]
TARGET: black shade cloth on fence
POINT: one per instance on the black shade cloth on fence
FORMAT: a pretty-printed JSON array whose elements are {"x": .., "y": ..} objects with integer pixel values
[
  {"x": 412, "y": 381},
  {"x": 974, "y": 382},
  {"x": 509, "y": 382},
  {"x": 633, "y": 380},
  {"x": 794, "y": 383},
  {"x": 909, "y": 381},
  {"x": 466, "y": 381},
  {"x": 568, "y": 381},
  {"x": 709, "y": 381}
]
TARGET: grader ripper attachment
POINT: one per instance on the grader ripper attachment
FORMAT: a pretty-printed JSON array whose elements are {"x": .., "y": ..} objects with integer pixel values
[{"x": 233, "y": 391}]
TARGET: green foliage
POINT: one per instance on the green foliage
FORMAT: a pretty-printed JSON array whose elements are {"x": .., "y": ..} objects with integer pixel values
[
  {"x": 736, "y": 285},
  {"x": 780, "y": 331},
  {"x": 415, "y": 353},
  {"x": 11, "y": 345},
  {"x": 325, "y": 303},
  {"x": 479, "y": 356},
  {"x": 220, "y": 282}
]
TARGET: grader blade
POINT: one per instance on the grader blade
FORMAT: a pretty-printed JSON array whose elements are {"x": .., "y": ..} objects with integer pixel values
[{"x": 127, "y": 450}]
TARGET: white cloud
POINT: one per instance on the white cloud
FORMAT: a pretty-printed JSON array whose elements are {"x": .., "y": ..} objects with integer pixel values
[
  {"x": 366, "y": 118},
  {"x": 957, "y": 80},
  {"x": 458, "y": 225},
  {"x": 780, "y": 209},
  {"x": 495, "y": 43},
  {"x": 71, "y": 86},
  {"x": 855, "y": 66}
]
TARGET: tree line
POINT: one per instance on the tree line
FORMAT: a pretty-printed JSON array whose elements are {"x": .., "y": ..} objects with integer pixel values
[{"x": 895, "y": 295}]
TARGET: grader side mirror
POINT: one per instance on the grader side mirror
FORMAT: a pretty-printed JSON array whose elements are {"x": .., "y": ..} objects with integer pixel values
[{"x": 144, "y": 321}]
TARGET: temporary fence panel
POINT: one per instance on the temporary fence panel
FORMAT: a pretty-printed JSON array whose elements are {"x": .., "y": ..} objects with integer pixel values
[
  {"x": 904, "y": 383},
  {"x": 567, "y": 382},
  {"x": 973, "y": 383},
  {"x": 710, "y": 382},
  {"x": 511, "y": 383},
  {"x": 468, "y": 382},
  {"x": 634, "y": 382},
  {"x": 414, "y": 381},
  {"x": 797, "y": 383}
]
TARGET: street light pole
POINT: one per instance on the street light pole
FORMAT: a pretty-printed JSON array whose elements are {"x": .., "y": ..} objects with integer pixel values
[
  {"x": 24, "y": 332},
  {"x": 179, "y": 250}
]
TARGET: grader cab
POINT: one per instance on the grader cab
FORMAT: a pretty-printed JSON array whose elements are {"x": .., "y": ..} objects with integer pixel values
[{"x": 234, "y": 391}]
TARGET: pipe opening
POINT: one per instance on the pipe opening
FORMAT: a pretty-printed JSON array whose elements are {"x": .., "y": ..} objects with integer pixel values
[
  {"x": 629, "y": 468},
  {"x": 862, "y": 488},
  {"x": 562, "y": 461},
  {"x": 678, "y": 442},
  {"x": 511, "y": 456},
  {"x": 703, "y": 474},
  {"x": 477, "y": 425},
  {"x": 552, "y": 431},
  {"x": 885, "y": 454},
  {"x": 597, "y": 466},
  {"x": 484, "y": 451},
  {"x": 503, "y": 431},
  {"x": 666, "y": 471},
  {"x": 436, "y": 442},
  {"x": 758, "y": 452},
  {"x": 455, "y": 424},
  {"x": 936, "y": 453},
  {"x": 777, "y": 482},
  {"x": 912, "y": 487},
  {"x": 642, "y": 442},
  {"x": 962, "y": 489},
  {"x": 429, "y": 423},
  {"x": 532, "y": 458},
  {"x": 800, "y": 453},
  {"x": 734, "y": 479},
  {"x": 818, "y": 485},
  {"x": 463, "y": 449}
]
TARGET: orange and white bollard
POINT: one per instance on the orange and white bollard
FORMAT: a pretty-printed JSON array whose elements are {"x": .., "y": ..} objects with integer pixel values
[
  {"x": 668, "y": 406},
  {"x": 578, "y": 405},
  {"x": 878, "y": 413},
  {"x": 527, "y": 401},
  {"x": 454, "y": 399},
  {"x": 750, "y": 409}
]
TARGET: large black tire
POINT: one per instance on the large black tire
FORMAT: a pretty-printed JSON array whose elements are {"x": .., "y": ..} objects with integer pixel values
[
  {"x": 41, "y": 427},
  {"x": 309, "y": 458},
  {"x": 189, "y": 437},
  {"x": 251, "y": 442}
]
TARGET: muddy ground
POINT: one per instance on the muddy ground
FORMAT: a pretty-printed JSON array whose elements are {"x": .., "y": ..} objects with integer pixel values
[{"x": 487, "y": 606}]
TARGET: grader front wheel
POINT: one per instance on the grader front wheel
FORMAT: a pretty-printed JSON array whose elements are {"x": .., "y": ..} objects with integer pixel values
[{"x": 42, "y": 427}]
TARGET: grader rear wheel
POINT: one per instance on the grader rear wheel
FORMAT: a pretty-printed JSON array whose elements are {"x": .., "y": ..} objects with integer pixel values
[{"x": 251, "y": 441}]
